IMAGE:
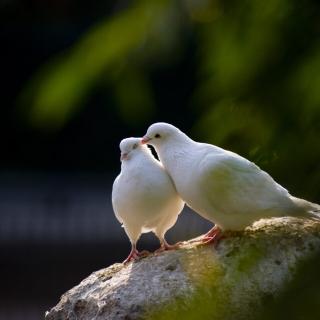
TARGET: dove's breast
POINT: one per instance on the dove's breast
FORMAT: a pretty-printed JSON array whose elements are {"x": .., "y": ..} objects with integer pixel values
[
  {"x": 183, "y": 172},
  {"x": 145, "y": 197}
]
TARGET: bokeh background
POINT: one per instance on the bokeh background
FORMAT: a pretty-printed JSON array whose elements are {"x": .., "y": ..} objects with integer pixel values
[{"x": 78, "y": 76}]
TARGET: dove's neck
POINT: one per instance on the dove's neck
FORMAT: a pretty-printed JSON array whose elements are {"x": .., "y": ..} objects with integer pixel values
[
  {"x": 175, "y": 155},
  {"x": 138, "y": 161}
]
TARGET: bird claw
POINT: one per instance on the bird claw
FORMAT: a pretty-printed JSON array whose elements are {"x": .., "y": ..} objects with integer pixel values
[
  {"x": 212, "y": 239},
  {"x": 172, "y": 246},
  {"x": 143, "y": 253},
  {"x": 212, "y": 232},
  {"x": 213, "y": 235},
  {"x": 166, "y": 246},
  {"x": 161, "y": 249},
  {"x": 136, "y": 255},
  {"x": 131, "y": 257}
]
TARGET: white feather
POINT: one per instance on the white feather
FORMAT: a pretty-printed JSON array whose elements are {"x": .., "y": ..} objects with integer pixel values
[
  {"x": 220, "y": 185},
  {"x": 143, "y": 195}
]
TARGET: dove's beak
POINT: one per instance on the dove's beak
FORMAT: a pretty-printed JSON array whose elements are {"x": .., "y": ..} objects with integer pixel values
[
  {"x": 145, "y": 140},
  {"x": 124, "y": 156}
]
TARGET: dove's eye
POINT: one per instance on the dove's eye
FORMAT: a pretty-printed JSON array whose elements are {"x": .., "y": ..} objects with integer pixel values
[
  {"x": 157, "y": 135},
  {"x": 135, "y": 146}
]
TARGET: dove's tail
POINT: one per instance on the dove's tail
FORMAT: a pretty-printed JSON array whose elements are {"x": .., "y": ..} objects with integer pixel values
[{"x": 306, "y": 208}]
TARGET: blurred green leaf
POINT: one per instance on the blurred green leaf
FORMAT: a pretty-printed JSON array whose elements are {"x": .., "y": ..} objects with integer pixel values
[
  {"x": 228, "y": 120},
  {"x": 60, "y": 87},
  {"x": 305, "y": 83},
  {"x": 133, "y": 94},
  {"x": 251, "y": 68}
]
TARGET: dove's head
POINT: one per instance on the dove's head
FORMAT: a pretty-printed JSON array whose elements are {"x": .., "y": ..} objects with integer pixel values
[
  {"x": 159, "y": 133},
  {"x": 129, "y": 147}
]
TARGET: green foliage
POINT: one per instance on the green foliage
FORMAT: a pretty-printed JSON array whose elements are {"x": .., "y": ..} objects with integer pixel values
[
  {"x": 257, "y": 81},
  {"x": 59, "y": 89}
]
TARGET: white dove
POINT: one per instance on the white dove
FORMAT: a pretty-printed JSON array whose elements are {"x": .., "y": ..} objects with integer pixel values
[
  {"x": 144, "y": 198},
  {"x": 220, "y": 185}
]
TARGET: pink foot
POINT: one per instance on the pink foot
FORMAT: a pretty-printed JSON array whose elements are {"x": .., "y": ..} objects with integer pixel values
[
  {"x": 212, "y": 232},
  {"x": 143, "y": 253},
  {"x": 213, "y": 236},
  {"x": 133, "y": 255},
  {"x": 166, "y": 246}
]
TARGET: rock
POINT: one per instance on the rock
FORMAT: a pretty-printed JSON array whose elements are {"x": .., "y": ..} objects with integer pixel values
[{"x": 247, "y": 271}]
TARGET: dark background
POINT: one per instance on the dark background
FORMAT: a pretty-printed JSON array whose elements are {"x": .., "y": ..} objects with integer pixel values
[{"x": 77, "y": 77}]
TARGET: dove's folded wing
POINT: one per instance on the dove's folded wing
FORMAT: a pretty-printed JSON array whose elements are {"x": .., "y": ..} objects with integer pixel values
[
  {"x": 116, "y": 193},
  {"x": 238, "y": 185}
]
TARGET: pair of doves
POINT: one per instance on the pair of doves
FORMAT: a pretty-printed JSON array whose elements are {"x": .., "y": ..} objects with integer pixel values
[{"x": 220, "y": 185}]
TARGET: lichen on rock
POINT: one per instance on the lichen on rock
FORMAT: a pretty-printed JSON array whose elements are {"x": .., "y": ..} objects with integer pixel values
[{"x": 232, "y": 281}]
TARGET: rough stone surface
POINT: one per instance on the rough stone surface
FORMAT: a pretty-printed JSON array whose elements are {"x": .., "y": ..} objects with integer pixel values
[{"x": 234, "y": 279}]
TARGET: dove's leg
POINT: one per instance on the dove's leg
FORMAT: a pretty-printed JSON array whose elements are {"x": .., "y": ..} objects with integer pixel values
[
  {"x": 213, "y": 237},
  {"x": 133, "y": 255},
  {"x": 212, "y": 232},
  {"x": 133, "y": 233},
  {"x": 164, "y": 245}
]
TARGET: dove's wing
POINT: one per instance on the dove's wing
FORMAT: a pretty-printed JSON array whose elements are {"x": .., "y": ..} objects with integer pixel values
[
  {"x": 116, "y": 193},
  {"x": 234, "y": 184}
]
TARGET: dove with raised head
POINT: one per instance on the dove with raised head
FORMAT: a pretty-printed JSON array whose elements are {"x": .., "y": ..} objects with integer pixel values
[
  {"x": 220, "y": 185},
  {"x": 144, "y": 198}
]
